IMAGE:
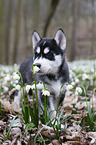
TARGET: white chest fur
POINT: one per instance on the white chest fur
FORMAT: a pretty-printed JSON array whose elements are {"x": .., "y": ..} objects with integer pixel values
[{"x": 55, "y": 87}]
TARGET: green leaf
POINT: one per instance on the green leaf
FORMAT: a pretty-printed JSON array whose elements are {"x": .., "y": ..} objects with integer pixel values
[
  {"x": 39, "y": 132},
  {"x": 89, "y": 111},
  {"x": 11, "y": 124},
  {"x": 34, "y": 112},
  {"x": 26, "y": 115},
  {"x": 30, "y": 126}
]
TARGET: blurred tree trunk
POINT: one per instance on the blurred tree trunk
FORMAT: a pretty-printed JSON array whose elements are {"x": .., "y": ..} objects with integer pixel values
[
  {"x": 25, "y": 28},
  {"x": 7, "y": 33},
  {"x": 93, "y": 28},
  {"x": 36, "y": 14},
  {"x": 2, "y": 6},
  {"x": 54, "y": 4},
  {"x": 17, "y": 30},
  {"x": 74, "y": 31},
  {"x": 21, "y": 49},
  {"x": 36, "y": 17}
]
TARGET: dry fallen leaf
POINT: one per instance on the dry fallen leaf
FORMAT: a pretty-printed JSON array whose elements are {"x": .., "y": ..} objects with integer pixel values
[
  {"x": 16, "y": 130},
  {"x": 2, "y": 123},
  {"x": 48, "y": 134},
  {"x": 74, "y": 132},
  {"x": 55, "y": 142},
  {"x": 72, "y": 143},
  {"x": 80, "y": 105},
  {"x": 92, "y": 135},
  {"x": 93, "y": 102},
  {"x": 68, "y": 111},
  {"x": 69, "y": 99},
  {"x": 10, "y": 107}
]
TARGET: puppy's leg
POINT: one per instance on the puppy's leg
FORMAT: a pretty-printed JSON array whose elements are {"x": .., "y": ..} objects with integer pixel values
[
  {"x": 17, "y": 98},
  {"x": 53, "y": 105}
]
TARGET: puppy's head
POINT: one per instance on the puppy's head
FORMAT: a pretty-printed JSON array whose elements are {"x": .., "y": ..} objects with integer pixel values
[{"x": 49, "y": 52}]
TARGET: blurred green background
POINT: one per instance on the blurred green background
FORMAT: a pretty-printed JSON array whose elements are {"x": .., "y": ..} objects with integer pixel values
[{"x": 18, "y": 19}]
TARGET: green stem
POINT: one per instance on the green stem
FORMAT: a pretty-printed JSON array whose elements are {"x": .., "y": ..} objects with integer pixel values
[
  {"x": 24, "y": 97},
  {"x": 59, "y": 99},
  {"x": 22, "y": 100},
  {"x": 28, "y": 108},
  {"x": 87, "y": 102},
  {"x": 85, "y": 95},
  {"x": 35, "y": 87},
  {"x": 45, "y": 108}
]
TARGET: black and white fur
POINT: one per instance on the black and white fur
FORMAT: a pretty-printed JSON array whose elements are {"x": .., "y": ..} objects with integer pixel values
[{"x": 49, "y": 56}]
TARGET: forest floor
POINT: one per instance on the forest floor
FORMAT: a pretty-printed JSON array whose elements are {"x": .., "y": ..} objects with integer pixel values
[{"x": 75, "y": 123}]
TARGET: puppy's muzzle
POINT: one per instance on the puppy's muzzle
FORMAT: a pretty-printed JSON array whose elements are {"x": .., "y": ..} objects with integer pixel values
[{"x": 38, "y": 65}]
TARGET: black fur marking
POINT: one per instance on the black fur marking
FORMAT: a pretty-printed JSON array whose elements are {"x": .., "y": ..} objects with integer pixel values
[
  {"x": 26, "y": 70},
  {"x": 51, "y": 77},
  {"x": 62, "y": 98},
  {"x": 53, "y": 47}
]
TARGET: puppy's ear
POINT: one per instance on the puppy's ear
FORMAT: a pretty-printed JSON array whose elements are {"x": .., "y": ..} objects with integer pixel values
[
  {"x": 60, "y": 39},
  {"x": 35, "y": 38}
]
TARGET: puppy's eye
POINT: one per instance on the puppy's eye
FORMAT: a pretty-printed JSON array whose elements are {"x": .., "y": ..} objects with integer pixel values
[
  {"x": 46, "y": 50},
  {"x": 38, "y": 50}
]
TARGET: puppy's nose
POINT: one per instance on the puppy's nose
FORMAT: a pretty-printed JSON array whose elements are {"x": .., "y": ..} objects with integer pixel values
[{"x": 38, "y": 65}]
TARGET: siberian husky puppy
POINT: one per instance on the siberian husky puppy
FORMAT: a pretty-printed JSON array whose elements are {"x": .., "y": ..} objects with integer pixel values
[{"x": 49, "y": 57}]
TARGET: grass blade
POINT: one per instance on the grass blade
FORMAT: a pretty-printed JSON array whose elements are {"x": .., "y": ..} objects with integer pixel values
[{"x": 11, "y": 124}]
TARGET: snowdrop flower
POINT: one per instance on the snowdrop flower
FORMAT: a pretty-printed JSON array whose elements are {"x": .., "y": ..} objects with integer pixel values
[
  {"x": 77, "y": 80},
  {"x": 16, "y": 76},
  {"x": 14, "y": 85},
  {"x": 17, "y": 87},
  {"x": 28, "y": 87},
  {"x": 95, "y": 73},
  {"x": 35, "y": 69},
  {"x": 85, "y": 76},
  {"x": 16, "y": 81},
  {"x": 92, "y": 70},
  {"x": 5, "y": 89},
  {"x": 73, "y": 83},
  {"x": 7, "y": 78},
  {"x": 45, "y": 93},
  {"x": 32, "y": 87},
  {"x": 78, "y": 91},
  {"x": 2, "y": 74},
  {"x": 40, "y": 85},
  {"x": 69, "y": 87}
]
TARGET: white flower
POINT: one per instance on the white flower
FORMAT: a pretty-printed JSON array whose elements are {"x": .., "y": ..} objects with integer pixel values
[
  {"x": 7, "y": 78},
  {"x": 77, "y": 80},
  {"x": 69, "y": 87},
  {"x": 17, "y": 87},
  {"x": 73, "y": 83},
  {"x": 28, "y": 87},
  {"x": 95, "y": 73},
  {"x": 35, "y": 69},
  {"x": 14, "y": 85},
  {"x": 40, "y": 85},
  {"x": 78, "y": 91},
  {"x": 85, "y": 76},
  {"x": 5, "y": 89},
  {"x": 2, "y": 74},
  {"x": 16, "y": 81},
  {"x": 16, "y": 76},
  {"x": 32, "y": 87},
  {"x": 45, "y": 93}
]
